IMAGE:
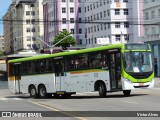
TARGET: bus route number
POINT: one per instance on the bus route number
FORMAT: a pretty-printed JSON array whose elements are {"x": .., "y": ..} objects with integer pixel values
[{"x": 95, "y": 74}]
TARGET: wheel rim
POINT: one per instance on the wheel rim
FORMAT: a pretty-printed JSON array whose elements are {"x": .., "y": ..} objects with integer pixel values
[
  {"x": 42, "y": 92},
  {"x": 33, "y": 91}
]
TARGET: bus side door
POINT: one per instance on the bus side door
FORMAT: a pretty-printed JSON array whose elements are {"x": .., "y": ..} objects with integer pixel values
[
  {"x": 59, "y": 74},
  {"x": 17, "y": 73},
  {"x": 115, "y": 69}
]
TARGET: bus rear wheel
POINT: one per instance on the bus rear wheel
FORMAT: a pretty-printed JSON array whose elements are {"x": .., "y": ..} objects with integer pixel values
[
  {"x": 42, "y": 91},
  {"x": 126, "y": 92},
  {"x": 102, "y": 90},
  {"x": 33, "y": 91}
]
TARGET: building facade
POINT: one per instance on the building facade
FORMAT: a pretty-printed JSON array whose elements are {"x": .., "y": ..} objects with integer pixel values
[
  {"x": 26, "y": 17},
  {"x": 152, "y": 30},
  {"x": 64, "y": 14},
  {"x": 118, "y": 21},
  {"x": 8, "y": 31},
  {"x": 2, "y": 43}
]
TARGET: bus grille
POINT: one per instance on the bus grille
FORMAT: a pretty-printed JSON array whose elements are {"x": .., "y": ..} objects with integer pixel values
[{"x": 141, "y": 75}]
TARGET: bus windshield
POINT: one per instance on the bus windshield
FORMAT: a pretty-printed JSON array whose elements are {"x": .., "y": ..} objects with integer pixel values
[{"x": 137, "y": 62}]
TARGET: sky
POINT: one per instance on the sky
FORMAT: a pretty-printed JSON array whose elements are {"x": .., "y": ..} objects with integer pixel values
[{"x": 4, "y": 5}]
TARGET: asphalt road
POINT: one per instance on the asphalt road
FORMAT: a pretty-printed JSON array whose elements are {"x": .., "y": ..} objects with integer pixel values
[{"x": 140, "y": 100}]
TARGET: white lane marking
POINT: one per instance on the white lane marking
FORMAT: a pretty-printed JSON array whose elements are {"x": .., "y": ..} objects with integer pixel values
[
  {"x": 5, "y": 99},
  {"x": 130, "y": 102}
]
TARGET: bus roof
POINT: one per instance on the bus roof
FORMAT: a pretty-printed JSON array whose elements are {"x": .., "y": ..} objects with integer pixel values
[{"x": 68, "y": 53}]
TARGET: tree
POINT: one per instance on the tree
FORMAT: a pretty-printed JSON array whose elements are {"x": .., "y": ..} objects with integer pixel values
[
  {"x": 66, "y": 42},
  {"x": 1, "y": 53}
]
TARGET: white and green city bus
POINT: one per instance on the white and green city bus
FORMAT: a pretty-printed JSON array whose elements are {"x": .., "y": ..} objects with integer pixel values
[{"x": 111, "y": 68}]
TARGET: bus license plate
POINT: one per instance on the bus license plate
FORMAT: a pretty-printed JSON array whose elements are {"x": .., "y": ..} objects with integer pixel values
[{"x": 141, "y": 84}]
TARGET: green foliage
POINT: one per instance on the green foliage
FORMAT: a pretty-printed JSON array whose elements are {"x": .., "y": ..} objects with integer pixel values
[
  {"x": 1, "y": 53},
  {"x": 66, "y": 42}
]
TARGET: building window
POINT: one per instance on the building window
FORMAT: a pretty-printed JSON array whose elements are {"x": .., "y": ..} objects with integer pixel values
[
  {"x": 126, "y": 37},
  {"x": 101, "y": 14},
  {"x": 63, "y": 0},
  {"x": 71, "y": 20},
  {"x": 146, "y": 16},
  {"x": 28, "y": 30},
  {"x": 153, "y": 30},
  {"x": 146, "y": 31},
  {"x": 33, "y": 13},
  {"x": 72, "y": 31},
  {"x": 80, "y": 20},
  {"x": 71, "y": 10},
  {"x": 27, "y": 12},
  {"x": 80, "y": 41},
  {"x": 117, "y": 24},
  {"x": 79, "y": 10},
  {"x": 33, "y": 38},
  {"x": 94, "y": 28},
  {"x": 109, "y": 26},
  {"x": 117, "y": 11},
  {"x": 94, "y": 6},
  {"x": 97, "y": 16},
  {"x": 108, "y": 12},
  {"x": 97, "y": 27},
  {"x": 63, "y": 20},
  {"x": 153, "y": 14},
  {"x": 95, "y": 40},
  {"x": 27, "y": 21},
  {"x": 125, "y": 11},
  {"x": 105, "y": 27},
  {"x": 104, "y": 13},
  {"x": 101, "y": 26},
  {"x": 126, "y": 24},
  {"x": 91, "y": 7},
  {"x": 118, "y": 37},
  {"x": 71, "y": 0},
  {"x": 80, "y": 31},
  {"x": 158, "y": 12},
  {"x": 125, "y": 0},
  {"x": 33, "y": 30},
  {"x": 63, "y": 10}
]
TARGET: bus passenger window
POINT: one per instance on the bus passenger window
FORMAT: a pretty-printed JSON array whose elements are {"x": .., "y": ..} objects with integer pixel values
[{"x": 77, "y": 63}]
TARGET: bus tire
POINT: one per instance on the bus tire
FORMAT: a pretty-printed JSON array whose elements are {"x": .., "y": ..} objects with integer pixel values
[
  {"x": 42, "y": 91},
  {"x": 126, "y": 92},
  {"x": 33, "y": 91},
  {"x": 102, "y": 90}
]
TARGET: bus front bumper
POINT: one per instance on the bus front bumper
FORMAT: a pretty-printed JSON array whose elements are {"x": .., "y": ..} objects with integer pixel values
[{"x": 128, "y": 85}]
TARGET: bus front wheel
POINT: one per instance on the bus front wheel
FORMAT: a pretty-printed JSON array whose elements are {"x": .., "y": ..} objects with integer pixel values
[
  {"x": 32, "y": 91},
  {"x": 102, "y": 90},
  {"x": 126, "y": 92},
  {"x": 42, "y": 91}
]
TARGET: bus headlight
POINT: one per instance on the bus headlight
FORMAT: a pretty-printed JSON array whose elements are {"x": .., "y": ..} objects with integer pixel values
[{"x": 125, "y": 79}]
